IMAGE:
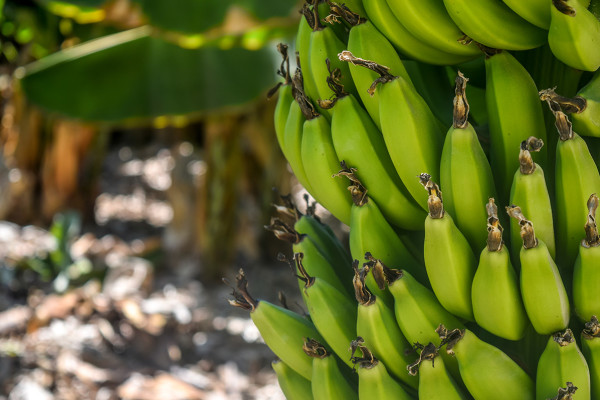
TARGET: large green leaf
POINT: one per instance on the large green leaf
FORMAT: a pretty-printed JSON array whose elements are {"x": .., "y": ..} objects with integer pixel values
[{"x": 134, "y": 74}]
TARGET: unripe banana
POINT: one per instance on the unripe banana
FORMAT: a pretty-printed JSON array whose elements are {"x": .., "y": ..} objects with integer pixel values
[
  {"x": 293, "y": 385},
  {"x": 562, "y": 362},
  {"x": 374, "y": 381},
  {"x": 333, "y": 314},
  {"x": 379, "y": 12},
  {"x": 435, "y": 382},
  {"x": 488, "y": 373},
  {"x": 377, "y": 325},
  {"x": 542, "y": 289},
  {"x": 497, "y": 304},
  {"x": 514, "y": 112},
  {"x": 530, "y": 192},
  {"x": 282, "y": 330},
  {"x": 586, "y": 274},
  {"x": 305, "y": 28},
  {"x": 359, "y": 143},
  {"x": 493, "y": 24},
  {"x": 465, "y": 172},
  {"x": 418, "y": 312},
  {"x": 320, "y": 162},
  {"x": 429, "y": 21},
  {"x": 574, "y": 35},
  {"x": 449, "y": 260},
  {"x": 576, "y": 178},
  {"x": 536, "y": 12},
  {"x": 590, "y": 346},
  {"x": 328, "y": 381},
  {"x": 285, "y": 98},
  {"x": 412, "y": 133},
  {"x": 371, "y": 233},
  {"x": 366, "y": 41}
]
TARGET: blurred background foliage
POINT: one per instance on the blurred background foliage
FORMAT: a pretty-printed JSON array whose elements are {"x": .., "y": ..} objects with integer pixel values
[{"x": 77, "y": 77}]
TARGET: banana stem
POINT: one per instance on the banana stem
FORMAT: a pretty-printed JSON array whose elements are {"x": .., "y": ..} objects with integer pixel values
[
  {"x": 494, "y": 240},
  {"x": 434, "y": 202},
  {"x": 526, "y": 164},
  {"x": 592, "y": 239},
  {"x": 241, "y": 297},
  {"x": 461, "y": 105},
  {"x": 527, "y": 232}
]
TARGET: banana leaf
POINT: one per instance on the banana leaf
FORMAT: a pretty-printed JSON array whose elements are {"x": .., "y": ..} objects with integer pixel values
[{"x": 135, "y": 74}]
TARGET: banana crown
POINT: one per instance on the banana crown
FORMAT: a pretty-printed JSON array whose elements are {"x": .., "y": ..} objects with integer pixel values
[
  {"x": 428, "y": 353},
  {"x": 592, "y": 239},
  {"x": 592, "y": 329},
  {"x": 367, "y": 360},
  {"x": 527, "y": 232},
  {"x": 526, "y": 164}
]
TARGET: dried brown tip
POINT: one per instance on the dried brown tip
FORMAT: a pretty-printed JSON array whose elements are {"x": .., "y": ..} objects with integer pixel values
[
  {"x": 308, "y": 109},
  {"x": 566, "y": 393},
  {"x": 428, "y": 353},
  {"x": 381, "y": 273},
  {"x": 314, "y": 349},
  {"x": 461, "y": 105},
  {"x": 592, "y": 239},
  {"x": 592, "y": 329},
  {"x": 563, "y": 7},
  {"x": 562, "y": 123},
  {"x": 241, "y": 297},
  {"x": 356, "y": 188},
  {"x": 434, "y": 202},
  {"x": 367, "y": 360},
  {"x": 343, "y": 12},
  {"x": 383, "y": 71},
  {"x": 569, "y": 105},
  {"x": 564, "y": 338},
  {"x": 494, "y": 240},
  {"x": 449, "y": 338},
  {"x": 283, "y": 71},
  {"x": 302, "y": 274},
  {"x": 526, "y": 164},
  {"x": 362, "y": 293},
  {"x": 283, "y": 231},
  {"x": 334, "y": 81},
  {"x": 527, "y": 232}
]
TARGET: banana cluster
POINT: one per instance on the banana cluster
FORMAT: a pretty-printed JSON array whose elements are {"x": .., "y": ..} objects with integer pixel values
[{"x": 426, "y": 127}]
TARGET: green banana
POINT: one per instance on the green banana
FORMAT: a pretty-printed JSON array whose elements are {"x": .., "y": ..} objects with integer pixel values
[
  {"x": 514, "y": 112},
  {"x": 449, "y": 260},
  {"x": 429, "y": 21},
  {"x": 590, "y": 346},
  {"x": 371, "y": 233},
  {"x": 320, "y": 262},
  {"x": 411, "y": 132},
  {"x": 328, "y": 381},
  {"x": 432, "y": 83},
  {"x": 282, "y": 330},
  {"x": 369, "y": 43},
  {"x": 320, "y": 162},
  {"x": 497, "y": 304},
  {"x": 359, "y": 143},
  {"x": 376, "y": 323},
  {"x": 530, "y": 192},
  {"x": 379, "y": 12},
  {"x": 488, "y": 373},
  {"x": 584, "y": 109},
  {"x": 586, "y": 273},
  {"x": 305, "y": 28},
  {"x": 374, "y": 381},
  {"x": 493, "y": 24},
  {"x": 465, "y": 172},
  {"x": 285, "y": 98},
  {"x": 561, "y": 362},
  {"x": 543, "y": 292},
  {"x": 333, "y": 314},
  {"x": 576, "y": 178},
  {"x": 435, "y": 383},
  {"x": 293, "y": 385},
  {"x": 536, "y": 12},
  {"x": 574, "y": 35}
]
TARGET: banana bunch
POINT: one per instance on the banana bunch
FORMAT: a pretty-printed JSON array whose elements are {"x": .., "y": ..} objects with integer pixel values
[{"x": 427, "y": 127}]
